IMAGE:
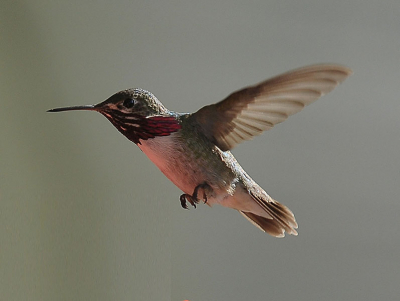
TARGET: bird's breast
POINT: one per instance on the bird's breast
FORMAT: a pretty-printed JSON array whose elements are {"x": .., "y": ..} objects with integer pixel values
[{"x": 188, "y": 164}]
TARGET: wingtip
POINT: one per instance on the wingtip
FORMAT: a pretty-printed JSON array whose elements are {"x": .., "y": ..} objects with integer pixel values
[
  {"x": 346, "y": 71},
  {"x": 337, "y": 68}
]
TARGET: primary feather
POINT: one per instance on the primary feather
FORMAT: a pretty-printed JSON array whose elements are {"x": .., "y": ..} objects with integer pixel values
[{"x": 252, "y": 110}]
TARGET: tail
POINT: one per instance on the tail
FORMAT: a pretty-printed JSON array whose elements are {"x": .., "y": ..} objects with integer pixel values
[{"x": 281, "y": 217}]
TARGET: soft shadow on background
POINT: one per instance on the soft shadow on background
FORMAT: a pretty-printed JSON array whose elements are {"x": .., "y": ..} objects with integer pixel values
[{"x": 84, "y": 215}]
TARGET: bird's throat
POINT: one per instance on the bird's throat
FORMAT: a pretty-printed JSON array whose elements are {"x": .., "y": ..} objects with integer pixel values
[{"x": 136, "y": 127}]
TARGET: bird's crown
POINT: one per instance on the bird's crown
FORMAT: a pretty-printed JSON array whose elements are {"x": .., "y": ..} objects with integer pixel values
[{"x": 132, "y": 101}]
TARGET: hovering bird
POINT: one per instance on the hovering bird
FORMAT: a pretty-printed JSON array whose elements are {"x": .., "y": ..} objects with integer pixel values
[{"x": 192, "y": 149}]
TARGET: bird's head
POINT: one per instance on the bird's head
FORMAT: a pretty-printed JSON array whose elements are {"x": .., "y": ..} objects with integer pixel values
[{"x": 136, "y": 113}]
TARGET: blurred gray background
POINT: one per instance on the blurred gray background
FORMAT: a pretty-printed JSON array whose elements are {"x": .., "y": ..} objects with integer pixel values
[{"x": 84, "y": 215}]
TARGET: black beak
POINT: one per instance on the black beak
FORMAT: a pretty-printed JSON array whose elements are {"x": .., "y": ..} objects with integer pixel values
[{"x": 76, "y": 108}]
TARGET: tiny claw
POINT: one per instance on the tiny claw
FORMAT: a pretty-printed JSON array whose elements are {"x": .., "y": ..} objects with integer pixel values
[
  {"x": 187, "y": 198},
  {"x": 183, "y": 201},
  {"x": 206, "y": 189},
  {"x": 192, "y": 201}
]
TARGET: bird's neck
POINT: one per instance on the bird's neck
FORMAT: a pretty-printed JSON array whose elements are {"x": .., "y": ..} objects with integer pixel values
[{"x": 136, "y": 127}]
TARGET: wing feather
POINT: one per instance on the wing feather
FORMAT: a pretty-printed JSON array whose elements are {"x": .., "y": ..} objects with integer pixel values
[{"x": 250, "y": 111}]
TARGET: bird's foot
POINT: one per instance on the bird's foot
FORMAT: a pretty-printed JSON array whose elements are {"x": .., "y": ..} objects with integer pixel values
[
  {"x": 187, "y": 197},
  {"x": 207, "y": 190},
  {"x": 193, "y": 199}
]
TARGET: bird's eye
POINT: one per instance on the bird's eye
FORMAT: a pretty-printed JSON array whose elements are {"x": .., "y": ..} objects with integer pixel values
[{"x": 129, "y": 103}]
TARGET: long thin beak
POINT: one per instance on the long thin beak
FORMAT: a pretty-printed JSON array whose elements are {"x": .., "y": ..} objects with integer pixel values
[{"x": 76, "y": 108}]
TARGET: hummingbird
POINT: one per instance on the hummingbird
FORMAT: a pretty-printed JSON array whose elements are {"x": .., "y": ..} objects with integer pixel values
[{"x": 193, "y": 149}]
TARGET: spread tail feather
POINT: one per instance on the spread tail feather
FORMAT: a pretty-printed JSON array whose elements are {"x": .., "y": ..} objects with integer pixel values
[{"x": 282, "y": 218}]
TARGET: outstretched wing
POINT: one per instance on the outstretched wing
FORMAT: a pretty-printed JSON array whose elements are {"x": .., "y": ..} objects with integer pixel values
[{"x": 252, "y": 110}]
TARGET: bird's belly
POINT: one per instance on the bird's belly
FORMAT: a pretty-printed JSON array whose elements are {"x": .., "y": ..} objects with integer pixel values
[{"x": 185, "y": 169}]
